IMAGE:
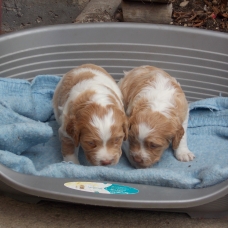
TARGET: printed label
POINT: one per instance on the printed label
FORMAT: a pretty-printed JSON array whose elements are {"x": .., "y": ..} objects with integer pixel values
[{"x": 104, "y": 188}]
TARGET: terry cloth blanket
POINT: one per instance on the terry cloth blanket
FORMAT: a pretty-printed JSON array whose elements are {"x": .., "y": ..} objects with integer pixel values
[{"x": 29, "y": 141}]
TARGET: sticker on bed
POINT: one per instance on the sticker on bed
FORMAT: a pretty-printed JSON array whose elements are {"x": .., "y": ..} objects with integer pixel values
[{"x": 104, "y": 188}]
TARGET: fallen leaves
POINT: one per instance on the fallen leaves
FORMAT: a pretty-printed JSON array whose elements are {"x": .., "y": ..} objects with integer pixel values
[
  {"x": 223, "y": 5},
  {"x": 194, "y": 19},
  {"x": 209, "y": 14}
]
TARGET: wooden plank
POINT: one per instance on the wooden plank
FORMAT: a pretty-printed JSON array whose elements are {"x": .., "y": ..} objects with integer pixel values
[
  {"x": 145, "y": 1},
  {"x": 147, "y": 13},
  {"x": 98, "y": 11}
]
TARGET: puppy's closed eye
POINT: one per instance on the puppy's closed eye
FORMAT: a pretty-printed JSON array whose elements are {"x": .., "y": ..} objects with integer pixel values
[
  {"x": 152, "y": 145},
  {"x": 91, "y": 144},
  {"x": 133, "y": 139},
  {"x": 118, "y": 139}
]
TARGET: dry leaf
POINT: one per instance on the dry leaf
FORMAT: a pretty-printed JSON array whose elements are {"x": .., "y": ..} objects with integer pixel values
[
  {"x": 225, "y": 15},
  {"x": 216, "y": 10},
  {"x": 198, "y": 24}
]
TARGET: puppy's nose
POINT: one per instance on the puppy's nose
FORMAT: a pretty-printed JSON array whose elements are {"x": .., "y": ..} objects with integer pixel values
[
  {"x": 106, "y": 162},
  {"x": 137, "y": 159}
]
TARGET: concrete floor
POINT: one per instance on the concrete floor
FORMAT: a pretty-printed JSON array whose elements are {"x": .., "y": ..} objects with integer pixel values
[{"x": 15, "y": 214}]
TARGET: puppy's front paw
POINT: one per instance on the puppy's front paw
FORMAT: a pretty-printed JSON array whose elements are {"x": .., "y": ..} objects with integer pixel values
[
  {"x": 184, "y": 155},
  {"x": 71, "y": 158}
]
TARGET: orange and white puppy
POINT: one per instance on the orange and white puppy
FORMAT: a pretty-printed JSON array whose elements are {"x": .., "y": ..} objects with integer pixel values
[
  {"x": 88, "y": 106},
  {"x": 158, "y": 115}
]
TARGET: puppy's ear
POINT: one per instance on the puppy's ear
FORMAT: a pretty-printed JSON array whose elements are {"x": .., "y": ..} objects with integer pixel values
[
  {"x": 72, "y": 131},
  {"x": 177, "y": 138},
  {"x": 130, "y": 122},
  {"x": 125, "y": 128}
]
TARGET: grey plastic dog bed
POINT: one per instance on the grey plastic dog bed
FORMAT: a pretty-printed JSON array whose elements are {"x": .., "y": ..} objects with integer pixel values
[{"x": 199, "y": 59}]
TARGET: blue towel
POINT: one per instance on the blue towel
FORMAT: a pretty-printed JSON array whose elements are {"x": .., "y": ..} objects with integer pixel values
[
  {"x": 23, "y": 106},
  {"x": 29, "y": 141}
]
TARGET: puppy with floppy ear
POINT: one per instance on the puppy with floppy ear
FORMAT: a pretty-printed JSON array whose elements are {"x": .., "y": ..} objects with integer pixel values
[
  {"x": 89, "y": 109},
  {"x": 158, "y": 115}
]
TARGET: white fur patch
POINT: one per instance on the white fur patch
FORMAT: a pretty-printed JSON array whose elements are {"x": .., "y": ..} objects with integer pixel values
[
  {"x": 71, "y": 158},
  {"x": 101, "y": 99},
  {"x": 144, "y": 131},
  {"x": 103, "y": 155},
  {"x": 101, "y": 84},
  {"x": 60, "y": 108},
  {"x": 159, "y": 95},
  {"x": 100, "y": 79},
  {"x": 182, "y": 153},
  {"x": 103, "y": 125}
]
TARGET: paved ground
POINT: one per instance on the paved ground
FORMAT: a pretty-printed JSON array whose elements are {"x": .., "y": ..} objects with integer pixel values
[{"x": 15, "y": 214}]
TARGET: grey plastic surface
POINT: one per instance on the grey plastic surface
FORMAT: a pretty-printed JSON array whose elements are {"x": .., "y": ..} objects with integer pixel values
[{"x": 197, "y": 58}]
